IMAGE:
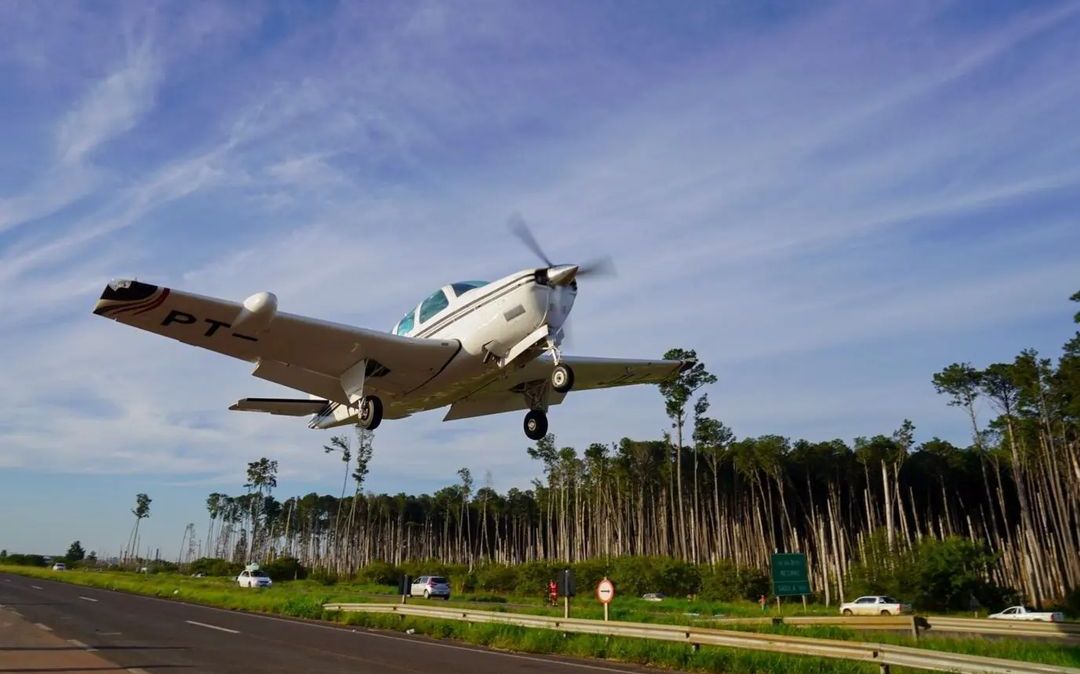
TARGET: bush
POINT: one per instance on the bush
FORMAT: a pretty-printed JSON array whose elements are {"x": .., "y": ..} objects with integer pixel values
[
  {"x": 497, "y": 578},
  {"x": 285, "y": 568},
  {"x": 323, "y": 577},
  {"x": 638, "y": 575},
  {"x": 25, "y": 560},
  {"x": 938, "y": 575},
  {"x": 214, "y": 566},
  {"x": 588, "y": 573},
  {"x": 728, "y": 582},
  {"x": 533, "y": 578},
  {"x": 380, "y": 573}
]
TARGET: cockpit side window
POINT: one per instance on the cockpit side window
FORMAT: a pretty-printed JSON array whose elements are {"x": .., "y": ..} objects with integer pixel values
[
  {"x": 405, "y": 324},
  {"x": 433, "y": 305},
  {"x": 462, "y": 287}
]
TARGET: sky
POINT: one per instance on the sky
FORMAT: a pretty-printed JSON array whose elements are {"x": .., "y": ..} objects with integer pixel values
[{"x": 828, "y": 201}]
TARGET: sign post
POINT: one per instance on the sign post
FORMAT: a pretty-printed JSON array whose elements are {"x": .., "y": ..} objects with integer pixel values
[
  {"x": 789, "y": 576},
  {"x": 605, "y": 592},
  {"x": 567, "y": 589}
]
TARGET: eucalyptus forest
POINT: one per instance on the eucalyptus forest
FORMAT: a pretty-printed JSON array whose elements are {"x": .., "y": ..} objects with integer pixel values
[{"x": 702, "y": 495}]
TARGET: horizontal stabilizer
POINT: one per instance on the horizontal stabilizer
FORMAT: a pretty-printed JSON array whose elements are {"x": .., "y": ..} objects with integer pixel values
[{"x": 290, "y": 407}]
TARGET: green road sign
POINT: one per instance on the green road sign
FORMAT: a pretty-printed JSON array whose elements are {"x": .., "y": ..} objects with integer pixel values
[{"x": 789, "y": 575}]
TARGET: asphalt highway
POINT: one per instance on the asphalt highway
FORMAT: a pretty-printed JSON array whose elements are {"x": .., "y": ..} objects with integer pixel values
[{"x": 124, "y": 632}]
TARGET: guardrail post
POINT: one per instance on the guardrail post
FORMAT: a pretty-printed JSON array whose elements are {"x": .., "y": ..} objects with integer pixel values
[
  {"x": 915, "y": 627},
  {"x": 884, "y": 668}
]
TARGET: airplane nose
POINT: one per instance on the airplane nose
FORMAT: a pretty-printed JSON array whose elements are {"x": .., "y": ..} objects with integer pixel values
[{"x": 562, "y": 274}]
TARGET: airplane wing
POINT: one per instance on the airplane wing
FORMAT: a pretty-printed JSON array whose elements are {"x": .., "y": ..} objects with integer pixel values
[
  {"x": 302, "y": 353},
  {"x": 506, "y": 394}
]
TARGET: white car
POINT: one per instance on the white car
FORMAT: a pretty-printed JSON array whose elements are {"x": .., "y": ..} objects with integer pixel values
[
  {"x": 254, "y": 578},
  {"x": 1025, "y": 613},
  {"x": 874, "y": 605},
  {"x": 430, "y": 586},
  {"x": 59, "y": 566}
]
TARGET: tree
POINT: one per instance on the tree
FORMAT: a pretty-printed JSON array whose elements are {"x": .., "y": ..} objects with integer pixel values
[
  {"x": 141, "y": 511},
  {"x": 75, "y": 552},
  {"x": 677, "y": 392}
]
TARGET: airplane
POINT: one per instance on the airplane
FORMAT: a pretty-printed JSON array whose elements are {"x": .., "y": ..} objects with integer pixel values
[{"x": 478, "y": 347}]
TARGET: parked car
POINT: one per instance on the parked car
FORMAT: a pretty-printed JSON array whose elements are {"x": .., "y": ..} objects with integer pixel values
[
  {"x": 1025, "y": 613},
  {"x": 430, "y": 586},
  {"x": 874, "y": 605},
  {"x": 653, "y": 596},
  {"x": 59, "y": 566},
  {"x": 253, "y": 578}
]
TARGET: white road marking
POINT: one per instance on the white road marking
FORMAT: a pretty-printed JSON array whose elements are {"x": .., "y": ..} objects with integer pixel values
[
  {"x": 76, "y": 642},
  {"x": 213, "y": 627},
  {"x": 44, "y": 627},
  {"x": 87, "y": 598},
  {"x": 364, "y": 632},
  {"x": 36, "y": 587},
  {"x": 136, "y": 670}
]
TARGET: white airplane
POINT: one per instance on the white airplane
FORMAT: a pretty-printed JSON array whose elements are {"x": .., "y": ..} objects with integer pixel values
[{"x": 481, "y": 348}]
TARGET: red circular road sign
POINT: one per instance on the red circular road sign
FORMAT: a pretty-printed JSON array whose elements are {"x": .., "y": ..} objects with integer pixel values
[{"x": 605, "y": 591}]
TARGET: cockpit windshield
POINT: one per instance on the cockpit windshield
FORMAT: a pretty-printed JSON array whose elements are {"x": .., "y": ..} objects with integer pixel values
[
  {"x": 435, "y": 303},
  {"x": 405, "y": 324},
  {"x": 462, "y": 287}
]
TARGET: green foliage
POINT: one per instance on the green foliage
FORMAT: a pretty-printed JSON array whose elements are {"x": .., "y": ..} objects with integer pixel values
[
  {"x": 324, "y": 577},
  {"x": 937, "y": 575},
  {"x": 533, "y": 578},
  {"x": 497, "y": 578},
  {"x": 379, "y": 572},
  {"x": 213, "y": 566},
  {"x": 25, "y": 560},
  {"x": 638, "y": 575},
  {"x": 728, "y": 582},
  {"x": 285, "y": 568},
  {"x": 75, "y": 552}
]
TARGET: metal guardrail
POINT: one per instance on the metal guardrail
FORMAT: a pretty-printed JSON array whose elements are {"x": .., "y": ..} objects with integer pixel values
[
  {"x": 884, "y": 655},
  {"x": 1018, "y": 628}
]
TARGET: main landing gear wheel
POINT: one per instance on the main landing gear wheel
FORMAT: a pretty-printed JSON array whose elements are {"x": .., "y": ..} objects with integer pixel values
[
  {"x": 562, "y": 378},
  {"x": 535, "y": 425},
  {"x": 370, "y": 413}
]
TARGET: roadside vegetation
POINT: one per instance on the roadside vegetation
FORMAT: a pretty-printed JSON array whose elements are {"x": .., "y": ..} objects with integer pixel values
[{"x": 305, "y": 598}]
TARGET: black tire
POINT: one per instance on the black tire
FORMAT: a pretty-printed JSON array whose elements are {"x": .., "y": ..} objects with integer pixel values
[
  {"x": 885, "y": 613},
  {"x": 446, "y": 598},
  {"x": 371, "y": 411},
  {"x": 562, "y": 379},
  {"x": 427, "y": 595},
  {"x": 536, "y": 425},
  {"x": 847, "y": 611}
]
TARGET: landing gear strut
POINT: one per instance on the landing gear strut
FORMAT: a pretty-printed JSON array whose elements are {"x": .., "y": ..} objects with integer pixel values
[
  {"x": 370, "y": 415},
  {"x": 536, "y": 424},
  {"x": 562, "y": 378}
]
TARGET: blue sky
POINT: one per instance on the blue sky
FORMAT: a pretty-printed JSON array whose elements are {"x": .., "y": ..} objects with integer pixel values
[{"x": 829, "y": 202}]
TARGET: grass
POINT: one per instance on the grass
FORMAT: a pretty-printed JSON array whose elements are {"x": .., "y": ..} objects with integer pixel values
[{"x": 304, "y": 599}]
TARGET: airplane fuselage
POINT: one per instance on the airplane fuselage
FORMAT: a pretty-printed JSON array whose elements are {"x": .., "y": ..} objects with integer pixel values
[{"x": 500, "y": 325}]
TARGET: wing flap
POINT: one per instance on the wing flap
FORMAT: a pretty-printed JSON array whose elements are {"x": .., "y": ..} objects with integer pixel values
[{"x": 289, "y": 407}]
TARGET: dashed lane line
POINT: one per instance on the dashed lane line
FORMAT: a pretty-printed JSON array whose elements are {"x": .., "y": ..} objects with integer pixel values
[
  {"x": 44, "y": 627},
  {"x": 85, "y": 647},
  {"x": 36, "y": 587},
  {"x": 87, "y": 598},
  {"x": 212, "y": 627}
]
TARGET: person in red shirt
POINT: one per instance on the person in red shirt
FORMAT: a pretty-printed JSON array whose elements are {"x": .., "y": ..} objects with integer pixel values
[{"x": 553, "y": 592}]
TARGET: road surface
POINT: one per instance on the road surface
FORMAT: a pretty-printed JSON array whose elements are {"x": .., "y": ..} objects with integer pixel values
[{"x": 56, "y": 627}]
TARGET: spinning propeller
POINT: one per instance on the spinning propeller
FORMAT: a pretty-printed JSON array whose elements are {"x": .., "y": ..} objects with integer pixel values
[{"x": 559, "y": 274}]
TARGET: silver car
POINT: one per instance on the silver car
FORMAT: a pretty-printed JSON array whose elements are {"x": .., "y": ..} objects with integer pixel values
[{"x": 430, "y": 586}]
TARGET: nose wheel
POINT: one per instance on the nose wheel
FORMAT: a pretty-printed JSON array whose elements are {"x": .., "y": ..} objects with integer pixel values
[
  {"x": 536, "y": 425},
  {"x": 371, "y": 411},
  {"x": 562, "y": 378}
]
